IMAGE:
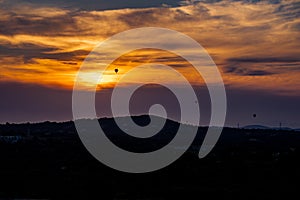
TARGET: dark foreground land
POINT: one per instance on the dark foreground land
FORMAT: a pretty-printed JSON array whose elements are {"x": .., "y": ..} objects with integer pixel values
[{"x": 48, "y": 160}]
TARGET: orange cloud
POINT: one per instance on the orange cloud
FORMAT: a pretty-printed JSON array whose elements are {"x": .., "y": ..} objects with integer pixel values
[{"x": 46, "y": 45}]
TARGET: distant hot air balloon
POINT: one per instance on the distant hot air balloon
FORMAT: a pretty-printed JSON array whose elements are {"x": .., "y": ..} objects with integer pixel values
[
  {"x": 254, "y": 115},
  {"x": 116, "y": 70}
]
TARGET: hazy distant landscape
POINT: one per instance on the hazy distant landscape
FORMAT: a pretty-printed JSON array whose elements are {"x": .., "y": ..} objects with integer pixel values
[{"x": 48, "y": 160}]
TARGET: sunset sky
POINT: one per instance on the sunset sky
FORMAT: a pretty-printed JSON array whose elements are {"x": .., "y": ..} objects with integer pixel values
[{"x": 255, "y": 44}]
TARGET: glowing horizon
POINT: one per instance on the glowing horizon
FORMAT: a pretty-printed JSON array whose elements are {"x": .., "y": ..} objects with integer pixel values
[{"x": 251, "y": 48}]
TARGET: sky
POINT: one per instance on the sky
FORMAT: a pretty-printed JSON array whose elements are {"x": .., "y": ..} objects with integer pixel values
[{"x": 255, "y": 45}]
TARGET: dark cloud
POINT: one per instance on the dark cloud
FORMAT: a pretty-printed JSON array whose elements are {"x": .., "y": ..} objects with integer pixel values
[
  {"x": 258, "y": 73},
  {"x": 167, "y": 16},
  {"x": 63, "y": 25},
  {"x": 100, "y": 4},
  {"x": 289, "y": 11},
  {"x": 296, "y": 26},
  {"x": 189, "y": 2},
  {"x": 25, "y": 50},
  {"x": 141, "y": 17},
  {"x": 265, "y": 59},
  {"x": 120, "y": 4},
  {"x": 31, "y": 51},
  {"x": 70, "y": 63},
  {"x": 70, "y": 56},
  {"x": 242, "y": 71},
  {"x": 261, "y": 66}
]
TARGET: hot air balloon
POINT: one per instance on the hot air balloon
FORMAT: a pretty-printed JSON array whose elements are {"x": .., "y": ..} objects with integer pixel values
[
  {"x": 116, "y": 70},
  {"x": 254, "y": 115}
]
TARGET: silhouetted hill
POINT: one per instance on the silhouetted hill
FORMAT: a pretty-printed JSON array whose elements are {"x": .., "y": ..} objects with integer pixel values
[
  {"x": 256, "y": 127},
  {"x": 266, "y": 127},
  {"x": 47, "y": 160}
]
